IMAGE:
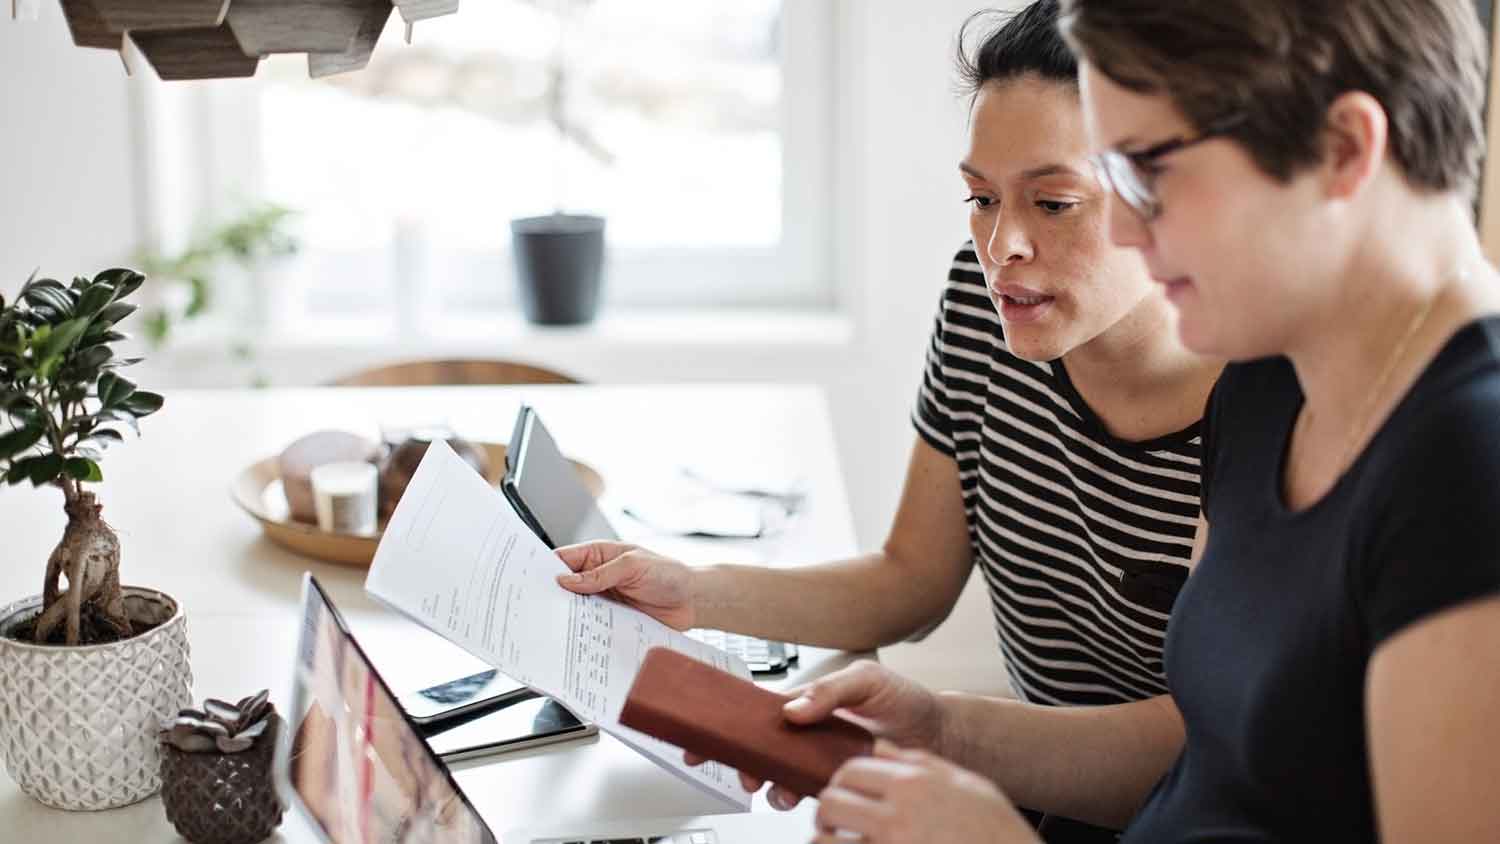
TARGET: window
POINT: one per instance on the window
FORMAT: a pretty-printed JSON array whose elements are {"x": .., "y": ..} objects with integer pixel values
[{"x": 699, "y": 128}]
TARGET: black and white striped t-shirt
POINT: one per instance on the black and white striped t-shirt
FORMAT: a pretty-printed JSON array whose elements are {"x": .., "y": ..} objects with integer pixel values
[{"x": 1083, "y": 539}]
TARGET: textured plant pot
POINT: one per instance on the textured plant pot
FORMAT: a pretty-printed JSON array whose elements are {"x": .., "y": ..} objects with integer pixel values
[
  {"x": 222, "y": 798},
  {"x": 78, "y": 726},
  {"x": 560, "y": 263}
]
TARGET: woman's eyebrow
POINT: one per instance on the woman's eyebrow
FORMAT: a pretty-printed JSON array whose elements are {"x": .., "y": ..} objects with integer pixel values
[{"x": 1037, "y": 172}]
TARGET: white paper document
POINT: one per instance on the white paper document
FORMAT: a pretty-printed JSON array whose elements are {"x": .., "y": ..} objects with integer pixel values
[{"x": 456, "y": 558}]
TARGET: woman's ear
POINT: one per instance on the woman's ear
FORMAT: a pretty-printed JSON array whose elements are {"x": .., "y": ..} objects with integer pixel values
[{"x": 1354, "y": 143}]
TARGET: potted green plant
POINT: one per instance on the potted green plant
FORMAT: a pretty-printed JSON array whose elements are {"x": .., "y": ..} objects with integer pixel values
[
  {"x": 560, "y": 256},
  {"x": 87, "y": 673}
]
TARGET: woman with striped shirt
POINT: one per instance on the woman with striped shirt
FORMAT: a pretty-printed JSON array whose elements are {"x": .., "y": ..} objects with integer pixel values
[
  {"x": 1058, "y": 431},
  {"x": 1058, "y": 420}
]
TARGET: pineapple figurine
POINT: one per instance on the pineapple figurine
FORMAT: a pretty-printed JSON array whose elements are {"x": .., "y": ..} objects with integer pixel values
[{"x": 216, "y": 771}]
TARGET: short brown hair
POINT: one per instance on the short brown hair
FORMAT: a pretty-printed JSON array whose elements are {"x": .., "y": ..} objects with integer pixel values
[{"x": 1275, "y": 66}]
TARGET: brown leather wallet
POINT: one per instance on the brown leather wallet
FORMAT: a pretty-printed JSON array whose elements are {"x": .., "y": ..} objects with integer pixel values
[{"x": 727, "y": 719}]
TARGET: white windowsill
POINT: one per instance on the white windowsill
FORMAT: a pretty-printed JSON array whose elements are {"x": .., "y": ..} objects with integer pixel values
[{"x": 619, "y": 328}]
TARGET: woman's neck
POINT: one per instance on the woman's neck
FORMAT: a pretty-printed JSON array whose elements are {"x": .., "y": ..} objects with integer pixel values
[
  {"x": 1419, "y": 288},
  {"x": 1138, "y": 378}
]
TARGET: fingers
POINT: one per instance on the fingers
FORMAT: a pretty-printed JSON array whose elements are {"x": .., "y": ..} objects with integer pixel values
[
  {"x": 747, "y": 782},
  {"x": 846, "y": 688},
  {"x": 870, "y": 776},
  {"x": 781, "y": 799},
  {"x": 841, "y": 809},
  {"x": 591, "y": 555},
  {"x": 595, "y": 579},
  {"x": 886, "y": 749}
]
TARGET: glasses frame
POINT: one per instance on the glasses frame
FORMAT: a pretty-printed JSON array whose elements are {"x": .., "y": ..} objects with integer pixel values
[{"x": 1137, "y": 188}]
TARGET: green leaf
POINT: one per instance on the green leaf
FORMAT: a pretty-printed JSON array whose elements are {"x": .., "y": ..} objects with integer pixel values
[
  {"x": 129, "y": 286},
  {"x": 113, "y": 389},
  {"x": 63, "y": 336},
  {"x": 103, "y": 438},
  {"x": 117, "y": 278},
  {"x": 58, "y": 344},
  {"x": 35, "y": 282},
  {"x": 17, "y": 441},
  {"x": 83, "y": 469},
  {"x": 120, "y": 416},
  {"x": 44, "y": 469},
  {"x": 56, "y": 298},
  {"x": 158, "y": 326},
  {"x": 114, "y": 313},
  {"x": 142, "y": 403},
  {"x": 93, "y": 300},
  {"x": 198, "y": 302},
  {"x": 93, "y": 358}
]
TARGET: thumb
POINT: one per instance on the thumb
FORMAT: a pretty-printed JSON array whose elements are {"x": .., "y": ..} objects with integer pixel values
[
  {"x": 595, "y": 580},
  {"x": 591, "y": 555},
  {"x": 847, "y": 688}
]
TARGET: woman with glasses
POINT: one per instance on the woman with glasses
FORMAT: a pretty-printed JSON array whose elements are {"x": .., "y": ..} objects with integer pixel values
[{"x": 1297, "y": 176}]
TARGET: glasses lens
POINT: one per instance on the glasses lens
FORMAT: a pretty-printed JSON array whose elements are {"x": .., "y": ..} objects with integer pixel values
[{"x": 1128, "y": 183}]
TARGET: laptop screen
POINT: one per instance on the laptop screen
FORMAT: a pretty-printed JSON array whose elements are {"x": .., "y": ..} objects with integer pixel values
[{"x": 353, "y": 762}]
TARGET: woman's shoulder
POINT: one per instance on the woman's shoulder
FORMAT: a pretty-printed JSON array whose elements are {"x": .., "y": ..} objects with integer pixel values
[
  {"x": 1247, "y": 389},
  {"x": 966, "y": 288},
  {"x": 1451, "y": 417}
]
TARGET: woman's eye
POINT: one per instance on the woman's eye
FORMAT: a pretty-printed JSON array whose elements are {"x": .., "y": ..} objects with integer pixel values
[
  {"x": 1053, "y": 206},
  {"x": 980, "y": 201}
]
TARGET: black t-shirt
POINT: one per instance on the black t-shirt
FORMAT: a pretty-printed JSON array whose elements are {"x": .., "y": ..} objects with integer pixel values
[{"x": 1271, "y": 637}]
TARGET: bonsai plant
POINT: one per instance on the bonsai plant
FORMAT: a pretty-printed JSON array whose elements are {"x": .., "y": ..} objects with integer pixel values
[{"x": 62, "y": 403}]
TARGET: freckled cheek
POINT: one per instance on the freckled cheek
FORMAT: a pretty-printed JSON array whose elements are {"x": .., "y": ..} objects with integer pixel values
[{"x": 1072, "y": 267}]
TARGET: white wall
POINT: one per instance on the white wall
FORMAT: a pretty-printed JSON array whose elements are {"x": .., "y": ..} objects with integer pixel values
[
  {"x": 66, "y": 174},
  {"x": 69, "y": 193}
]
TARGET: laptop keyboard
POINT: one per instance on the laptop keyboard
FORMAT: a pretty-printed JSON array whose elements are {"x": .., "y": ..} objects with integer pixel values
[
  {"x": 687, "y": 836},
  {"x": 762, "y": 657}
]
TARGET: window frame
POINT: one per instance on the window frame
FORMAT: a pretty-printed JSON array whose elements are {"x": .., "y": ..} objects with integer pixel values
[{"x": 201, "y": 159}]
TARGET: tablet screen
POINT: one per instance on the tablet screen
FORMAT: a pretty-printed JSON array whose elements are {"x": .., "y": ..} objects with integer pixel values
[
  {"x": 550, "y": 487},
  {"x": 355, "y": 764}
]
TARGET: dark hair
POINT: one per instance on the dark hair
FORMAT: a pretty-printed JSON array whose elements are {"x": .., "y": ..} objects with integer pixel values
[
  {"x": 1276, "y": 66},
  {"x": 1028, "y": 42}
]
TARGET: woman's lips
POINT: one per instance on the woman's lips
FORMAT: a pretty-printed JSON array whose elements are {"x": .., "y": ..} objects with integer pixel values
[
  {"x": 1176, "y": 288},
  {"x": 1021, "y": 304}
]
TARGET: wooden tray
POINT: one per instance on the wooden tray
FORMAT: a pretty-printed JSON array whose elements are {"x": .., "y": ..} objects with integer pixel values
[{"x": 259, "y": 493}]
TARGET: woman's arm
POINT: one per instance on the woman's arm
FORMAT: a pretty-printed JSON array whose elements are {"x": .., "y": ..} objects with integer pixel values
[
  {"x": 1095, "y": 764},
  {"x": 855, "y": 604},
  {"x": 865, "y": 602},
  {"x": 1432, "y": 696}
]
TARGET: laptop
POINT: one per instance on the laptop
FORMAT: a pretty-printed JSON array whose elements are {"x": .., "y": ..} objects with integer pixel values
[{"x": 358, "y": 769}]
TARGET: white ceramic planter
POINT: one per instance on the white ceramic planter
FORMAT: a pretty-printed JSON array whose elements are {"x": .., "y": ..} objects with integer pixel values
[{"x": 78, "y": 725}]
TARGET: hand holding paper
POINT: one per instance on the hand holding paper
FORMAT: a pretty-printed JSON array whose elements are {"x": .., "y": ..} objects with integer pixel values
[{"x": 457, "y": 559}]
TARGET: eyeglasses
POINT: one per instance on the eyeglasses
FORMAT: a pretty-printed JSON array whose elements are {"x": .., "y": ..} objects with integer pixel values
[{"x": 1132, "y": 175}]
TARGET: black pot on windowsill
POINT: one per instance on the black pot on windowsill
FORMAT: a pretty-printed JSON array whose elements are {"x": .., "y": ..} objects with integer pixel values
[{"x": 560, "y": 264}]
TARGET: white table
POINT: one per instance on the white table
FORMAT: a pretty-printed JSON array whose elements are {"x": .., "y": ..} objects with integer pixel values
[{"x": 167, "y": 497}]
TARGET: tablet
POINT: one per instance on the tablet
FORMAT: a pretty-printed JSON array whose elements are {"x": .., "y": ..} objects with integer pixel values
[{"x": 546, "y": 490}]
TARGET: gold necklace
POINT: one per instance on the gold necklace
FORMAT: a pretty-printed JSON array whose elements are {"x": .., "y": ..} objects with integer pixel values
[
  {"x": 1362, "y": 420},
  {"x": 1357, "y": 432}
]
